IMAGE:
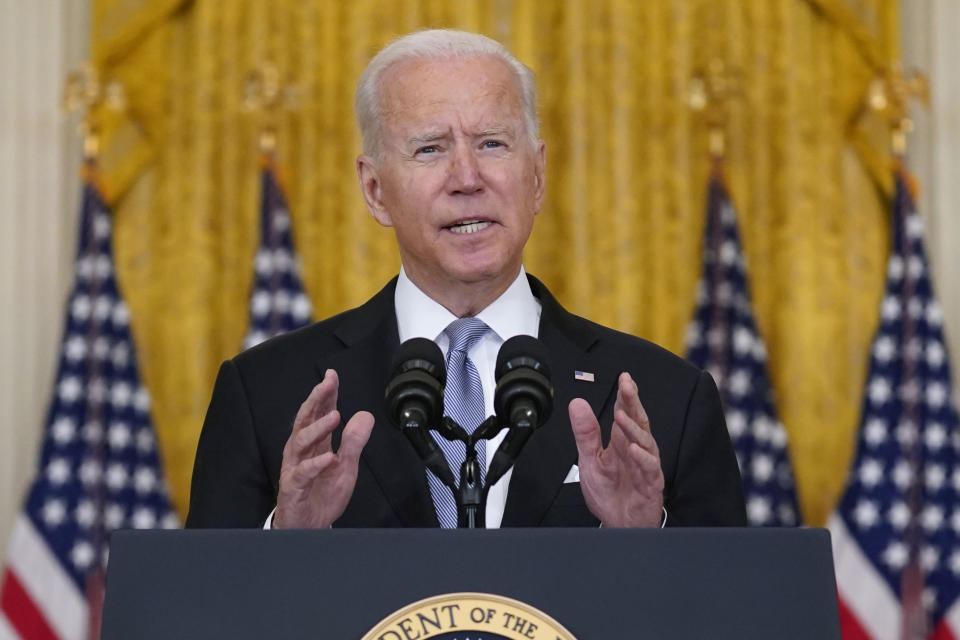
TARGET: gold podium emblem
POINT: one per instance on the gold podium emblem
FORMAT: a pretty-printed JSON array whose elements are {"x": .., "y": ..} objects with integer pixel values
[{"x": 468, "y": 616}]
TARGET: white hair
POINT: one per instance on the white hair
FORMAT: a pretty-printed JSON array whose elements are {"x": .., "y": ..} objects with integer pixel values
[{"x": 440, "y": 44}]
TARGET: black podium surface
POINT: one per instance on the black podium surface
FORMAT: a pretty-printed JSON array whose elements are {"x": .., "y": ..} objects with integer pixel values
[{"x": 599, "y": 584}]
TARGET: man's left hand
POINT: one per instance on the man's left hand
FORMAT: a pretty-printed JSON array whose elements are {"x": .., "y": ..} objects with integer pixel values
[{"x": 622, "y": 484}]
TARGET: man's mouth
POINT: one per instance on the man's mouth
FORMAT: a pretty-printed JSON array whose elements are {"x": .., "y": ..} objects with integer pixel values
[{"x": 469, "y": 226}]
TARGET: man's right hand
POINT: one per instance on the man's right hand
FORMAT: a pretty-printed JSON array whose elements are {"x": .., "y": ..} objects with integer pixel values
[{"x": 316, "y": 483}]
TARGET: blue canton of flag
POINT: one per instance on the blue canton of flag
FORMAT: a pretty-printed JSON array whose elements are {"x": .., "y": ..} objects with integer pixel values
[
  {"x": 723, "y": 339},
  {"x": 278, "y": 302},
  {"x": 896, "y": 530},
  {"x": 99, "y": 466}
]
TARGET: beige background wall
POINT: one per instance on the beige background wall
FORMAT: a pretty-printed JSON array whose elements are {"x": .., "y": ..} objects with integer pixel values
[{"x": 40, "y": 40}]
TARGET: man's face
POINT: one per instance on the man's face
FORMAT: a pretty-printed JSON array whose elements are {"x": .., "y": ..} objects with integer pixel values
[{"x": 458, "y": 178}]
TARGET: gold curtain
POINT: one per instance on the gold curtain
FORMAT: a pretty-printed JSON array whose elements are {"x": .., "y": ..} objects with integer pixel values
[{"x": 619, "y": 238}]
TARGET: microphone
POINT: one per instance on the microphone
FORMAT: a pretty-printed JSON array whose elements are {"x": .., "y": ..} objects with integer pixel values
[
  {"x": 523, "y": 398},
  {"x": 414, "y": 400}
]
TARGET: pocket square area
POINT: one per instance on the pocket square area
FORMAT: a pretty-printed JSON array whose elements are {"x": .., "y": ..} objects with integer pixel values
[{"x": 573, "y": 475}]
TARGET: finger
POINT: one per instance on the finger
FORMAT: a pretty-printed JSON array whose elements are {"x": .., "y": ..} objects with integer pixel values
[
  {"x": 647, "y": 473},
  {"x": 309, "y": 469},
  {"x": 628, "y": 397},
  {"x": 322, "y": 400},
  {"x": 355, "y": 437},
  {"x": 632, "y": 433},
  {"x": 311, "y": 440},
  {"x": 586, "y": 429}
]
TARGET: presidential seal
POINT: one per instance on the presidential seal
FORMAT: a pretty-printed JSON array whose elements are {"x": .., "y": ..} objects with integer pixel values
[{"x": 468, "y": 616}]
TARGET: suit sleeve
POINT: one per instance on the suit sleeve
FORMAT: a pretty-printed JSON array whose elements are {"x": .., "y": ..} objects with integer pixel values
[
  {"x": 707, "y": 489},
  {"x": 230, "y": 486}
]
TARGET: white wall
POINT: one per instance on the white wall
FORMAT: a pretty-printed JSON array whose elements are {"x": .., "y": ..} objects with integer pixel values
[
  {"x": 930, "y": 44},
  {"x": 40, "y": 41}
]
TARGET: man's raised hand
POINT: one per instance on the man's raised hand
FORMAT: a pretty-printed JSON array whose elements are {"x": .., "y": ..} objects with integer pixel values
[
  {"x": 622, "y": 484},
  {"x": 315, "y": 482}
]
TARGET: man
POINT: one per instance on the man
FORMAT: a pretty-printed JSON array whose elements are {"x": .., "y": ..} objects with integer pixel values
[{"x": 452, "y": 162}]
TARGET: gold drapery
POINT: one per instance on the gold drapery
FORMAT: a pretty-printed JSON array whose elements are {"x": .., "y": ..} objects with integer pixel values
[{"x": 619, "y": 237}]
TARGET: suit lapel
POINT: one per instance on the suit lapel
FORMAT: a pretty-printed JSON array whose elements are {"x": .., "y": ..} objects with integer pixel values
[
  {"x": 370, "y": 337},
  {"x": 547, "y": 457}
]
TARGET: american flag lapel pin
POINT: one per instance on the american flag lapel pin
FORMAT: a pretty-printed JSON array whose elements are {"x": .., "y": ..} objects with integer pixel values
[{"x": 585, "y": 376}]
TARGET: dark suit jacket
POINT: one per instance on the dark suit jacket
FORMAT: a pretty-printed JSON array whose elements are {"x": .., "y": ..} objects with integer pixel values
[{"x": 257, "y": 395}]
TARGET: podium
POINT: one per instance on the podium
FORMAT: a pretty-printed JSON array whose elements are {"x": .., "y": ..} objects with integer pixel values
[{"x": 340, "y": 584}]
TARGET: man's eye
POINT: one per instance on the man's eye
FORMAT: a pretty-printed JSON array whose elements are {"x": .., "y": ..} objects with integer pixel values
[
  {"x": 430, "y": 148},
  {"x": 492, "y": 144}
]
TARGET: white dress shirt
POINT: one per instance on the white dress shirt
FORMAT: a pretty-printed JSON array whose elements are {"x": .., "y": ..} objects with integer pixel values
[{"x": 515, "y": 312}]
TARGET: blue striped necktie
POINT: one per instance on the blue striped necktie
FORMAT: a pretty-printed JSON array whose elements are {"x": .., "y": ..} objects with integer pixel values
[{"x": 462, "y": 401}]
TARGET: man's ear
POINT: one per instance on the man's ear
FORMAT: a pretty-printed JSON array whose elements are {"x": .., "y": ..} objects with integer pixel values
[
  {"x": 539, "y": 174},
  {"x": 372, "y": 189}
]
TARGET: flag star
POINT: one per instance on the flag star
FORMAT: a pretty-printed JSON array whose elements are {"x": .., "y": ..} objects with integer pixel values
[
  {"x": 86, "y": 514},
  {"x": 141, "y": 399},
  {"x": 90, "y": 471},
  {"x": 728, "y": 252},
  {"x": 93, "y": 432},
  {"x": 64, "y": 430},
  {"x": 936, "y": 354},
  {"x": 103, "y": 267},
  {"x": 70, "y": 389},
  {"x": 740, "y": 383},
  {"x": 914, "y": 225},
  {"x": 282, "y": 260},
  {"x": 120, "y": 395},
  {"x": 915, "y": 267},
  {"x": 54, "y": 512},
  {"x": 742, "y": 340},
  {"x": 909, "y": 391},
  {"x": 717, "y": 337},
  {"x": 260, "y": 304},
  {"x": 896, "y": 555},
  {"x": 119, "y": 435},
  {"x": 75, "y": 348},
  {"x": 955, "y": 521},
  {"x": 935, "y": 436},
  {"x": 879, "y": 390},
  {"x": 724, "y": 294},
  {"x": 932, "y": 518},
  {"x": 787, "y": 515},
  {"x": 84, "y": 268},
  {"x": 913, "y": 351},
  {"x": 143, "y": 518},
  {"x": 884, "y": 349},
  {"x": 82, "y": 555},
  {"x": 144, "y": 480},
  {"x": 101, "y": 348},
  {"x": 281, "y": 301},
  {"x": 929, "y": 598},
  {"x": 936, "y": 394},
  {"x": 281, "y": 220},
  {"x": 890, "y": 308},
  {"x": 929, "y": 558},
  {"x": 895, "y": 267},
  {"x": 778, "y": 436},
  {"x": 301, "y": 308},
  {"x": 113, "y": 516},
  {"x": 103, "y": 307},
  {"x": 866, "y": 514},
  {"x": 903, "y": 474},
  {"x": 915, "y": 308},
  {"x": 120, "y": 355},
  {"x": 101, "y": 226},
  {"x": 145, "y": 441},
  {"x": 935, "y": 477},
  {"x": 875, "y": 431},
  {"x": 58, "y": 471},
  {"x": 121, "y": 314},
  {"x": 169, "y": 521},
  {"x": 762, "y": 467},
  {"x": 759, "y": 350},
  {"x": 80, "y": 309},
  {"x": 763, "y": 428},
  {"x": 870, "y": 472},
  {"x": 116, "y": 477},
  {"x": 899, "y": 515},
  {"x": 727, "y": 215},
  {"x": 97, "y": 391},
  {"x": 934, "y": 313},
  {"x": 736, "y": 423},
  {"x": 263, "y": 263},
  {"x": 906, "y": 433},
  {"x": 955, "y": 563},
  {"x": 758, "y": 509}
]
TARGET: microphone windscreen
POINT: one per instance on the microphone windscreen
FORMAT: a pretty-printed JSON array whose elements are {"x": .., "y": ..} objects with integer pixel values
[
  {"x": 522, "y": 351},
  {"x": 419, "y": 353}
]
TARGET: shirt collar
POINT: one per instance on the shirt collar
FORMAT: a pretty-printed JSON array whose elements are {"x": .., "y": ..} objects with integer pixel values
[{"x": 515, "y": 312}]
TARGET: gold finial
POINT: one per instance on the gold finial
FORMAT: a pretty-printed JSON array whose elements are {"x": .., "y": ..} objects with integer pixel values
[
  {"x": 709, "y": 92},
  {"x": 266, "y": 94},
  {"x": 85, "y": 91},
  {"x": 889, "y": 95}
]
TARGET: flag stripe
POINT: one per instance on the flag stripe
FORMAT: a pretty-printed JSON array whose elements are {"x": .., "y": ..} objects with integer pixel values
[
  {"x": 23, "y": 614},
  {"x": 850, "y": 628},
  {"x": 6, "y": 631},
  {"x": 44, "y": 580},
  {"x": 874, "y": 607}
]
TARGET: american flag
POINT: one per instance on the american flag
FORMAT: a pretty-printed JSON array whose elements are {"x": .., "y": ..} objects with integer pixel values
[
  {"x": 278, "y": 302},
  {"x": 723, "y": 339},
  {"x": 896, "y": 530},
  {"x": 99, "y": 467}
]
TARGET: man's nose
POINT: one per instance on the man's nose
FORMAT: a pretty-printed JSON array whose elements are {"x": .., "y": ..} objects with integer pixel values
[{"x": 464, "y": 177}]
